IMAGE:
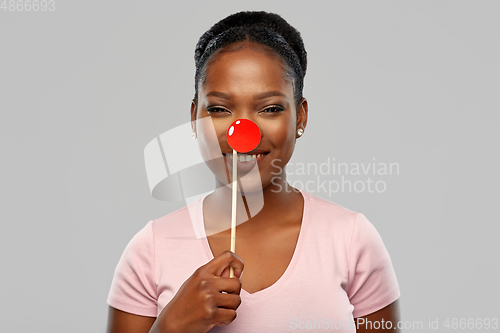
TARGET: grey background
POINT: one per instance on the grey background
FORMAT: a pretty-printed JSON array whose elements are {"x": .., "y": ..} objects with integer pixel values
[{"x": 85, "y": 88}]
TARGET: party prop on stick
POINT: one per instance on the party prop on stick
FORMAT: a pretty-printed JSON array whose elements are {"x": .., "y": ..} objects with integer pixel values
[{"x": 243, "y": 136}]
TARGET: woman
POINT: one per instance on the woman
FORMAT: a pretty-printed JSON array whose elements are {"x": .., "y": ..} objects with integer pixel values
[{"x": 308, "y": 263}]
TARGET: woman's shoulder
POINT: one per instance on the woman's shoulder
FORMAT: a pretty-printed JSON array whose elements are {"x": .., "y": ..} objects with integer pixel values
[
  {"x": 326, "y": 207},
  {"x": 182, "y": 222},
  {"x": 330, "y": 218}
]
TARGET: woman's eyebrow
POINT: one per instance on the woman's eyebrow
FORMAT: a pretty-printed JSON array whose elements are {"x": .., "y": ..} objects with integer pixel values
[
  {"x": 257, "y": 96},
  {"x": 218, "y": 94},
  {"x": 269, "y": 94}
]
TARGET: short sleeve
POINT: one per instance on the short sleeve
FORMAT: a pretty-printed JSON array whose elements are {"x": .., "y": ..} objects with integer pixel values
[
  {"x": 372, "y": 283},
  {"x": 133, "y": 289}
]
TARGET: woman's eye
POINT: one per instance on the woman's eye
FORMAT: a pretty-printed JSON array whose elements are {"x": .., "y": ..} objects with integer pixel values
[
  {"x": 274, "y": 109},
  {"x": 213, "y": 109}
]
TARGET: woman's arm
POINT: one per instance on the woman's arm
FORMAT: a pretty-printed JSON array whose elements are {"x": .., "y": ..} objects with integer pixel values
[
  {"x": 124, "y": 322},
  {"x": 368, "y": 324}
]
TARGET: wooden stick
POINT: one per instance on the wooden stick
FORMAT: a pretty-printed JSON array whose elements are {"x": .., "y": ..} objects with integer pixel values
[{"x": 233, "y": 207}]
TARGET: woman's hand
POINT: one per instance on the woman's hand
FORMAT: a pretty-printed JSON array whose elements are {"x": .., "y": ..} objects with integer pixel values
[{"x": 208, "y": 298}]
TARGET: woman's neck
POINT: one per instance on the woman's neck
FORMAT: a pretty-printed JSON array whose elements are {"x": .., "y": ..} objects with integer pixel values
[{"x": 263, "y": 208}]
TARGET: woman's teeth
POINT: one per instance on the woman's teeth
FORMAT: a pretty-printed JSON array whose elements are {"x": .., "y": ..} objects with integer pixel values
[{"x": 245, "y": 158}]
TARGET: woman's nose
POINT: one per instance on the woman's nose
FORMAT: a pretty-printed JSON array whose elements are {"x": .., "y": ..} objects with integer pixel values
[{"x": 243, "y": 135}]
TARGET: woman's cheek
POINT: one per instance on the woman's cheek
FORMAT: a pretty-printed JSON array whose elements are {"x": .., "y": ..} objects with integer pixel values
[{"x": 208, "y": 142}]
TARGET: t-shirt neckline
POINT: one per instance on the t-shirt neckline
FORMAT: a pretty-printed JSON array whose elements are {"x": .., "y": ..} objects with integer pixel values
[{"x": 293, "y": 262}]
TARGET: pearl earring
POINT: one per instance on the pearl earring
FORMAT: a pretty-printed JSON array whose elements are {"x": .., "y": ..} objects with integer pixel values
[
  {"x": 194, "y": 135},
  {"x": 300, "y": 131}
]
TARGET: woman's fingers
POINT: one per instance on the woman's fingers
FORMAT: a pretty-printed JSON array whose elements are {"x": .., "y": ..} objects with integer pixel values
[
  {"x": 228, "y": 285},
  {"x": 225, "y": 316},
  {"x": 205, "y": 299},
  {"x": 228, "y": 301},
  {"x": 222, "y": 262}
]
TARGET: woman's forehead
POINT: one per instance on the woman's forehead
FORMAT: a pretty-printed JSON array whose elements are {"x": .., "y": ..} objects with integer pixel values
[{"x": 247, "y": 68}]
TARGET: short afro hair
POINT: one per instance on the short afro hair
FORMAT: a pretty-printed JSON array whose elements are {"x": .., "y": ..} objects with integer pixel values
[{"x": 268, "y": 29}]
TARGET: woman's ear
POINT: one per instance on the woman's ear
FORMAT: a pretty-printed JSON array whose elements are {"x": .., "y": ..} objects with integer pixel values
[
  {"x": 302, "y": 113},
  {"x": 193, "y": 115}
]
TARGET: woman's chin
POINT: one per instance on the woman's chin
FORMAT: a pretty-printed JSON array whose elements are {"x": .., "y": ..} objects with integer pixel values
[{"x": 247, "y": 186}]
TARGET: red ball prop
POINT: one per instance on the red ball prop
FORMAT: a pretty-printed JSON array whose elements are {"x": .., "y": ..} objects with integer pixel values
[{"x": 243, "y": 135}]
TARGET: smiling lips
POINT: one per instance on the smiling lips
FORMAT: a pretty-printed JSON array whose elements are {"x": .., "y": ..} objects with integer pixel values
[{"x": 245, "y": 157}]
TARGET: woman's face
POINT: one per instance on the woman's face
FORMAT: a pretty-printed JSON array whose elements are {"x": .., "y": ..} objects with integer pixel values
[{"x": 248, "y": 82}]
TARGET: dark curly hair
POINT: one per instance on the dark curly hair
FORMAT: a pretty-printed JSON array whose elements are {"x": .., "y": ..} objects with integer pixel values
[{"x": 264, "y": 28}]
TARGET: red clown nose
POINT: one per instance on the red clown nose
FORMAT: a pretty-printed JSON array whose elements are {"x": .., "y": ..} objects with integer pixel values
[{"x": 243, "y": 135}]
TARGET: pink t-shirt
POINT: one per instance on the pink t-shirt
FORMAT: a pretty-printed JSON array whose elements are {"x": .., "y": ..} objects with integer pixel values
[{"x": 340, "y": 270}]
